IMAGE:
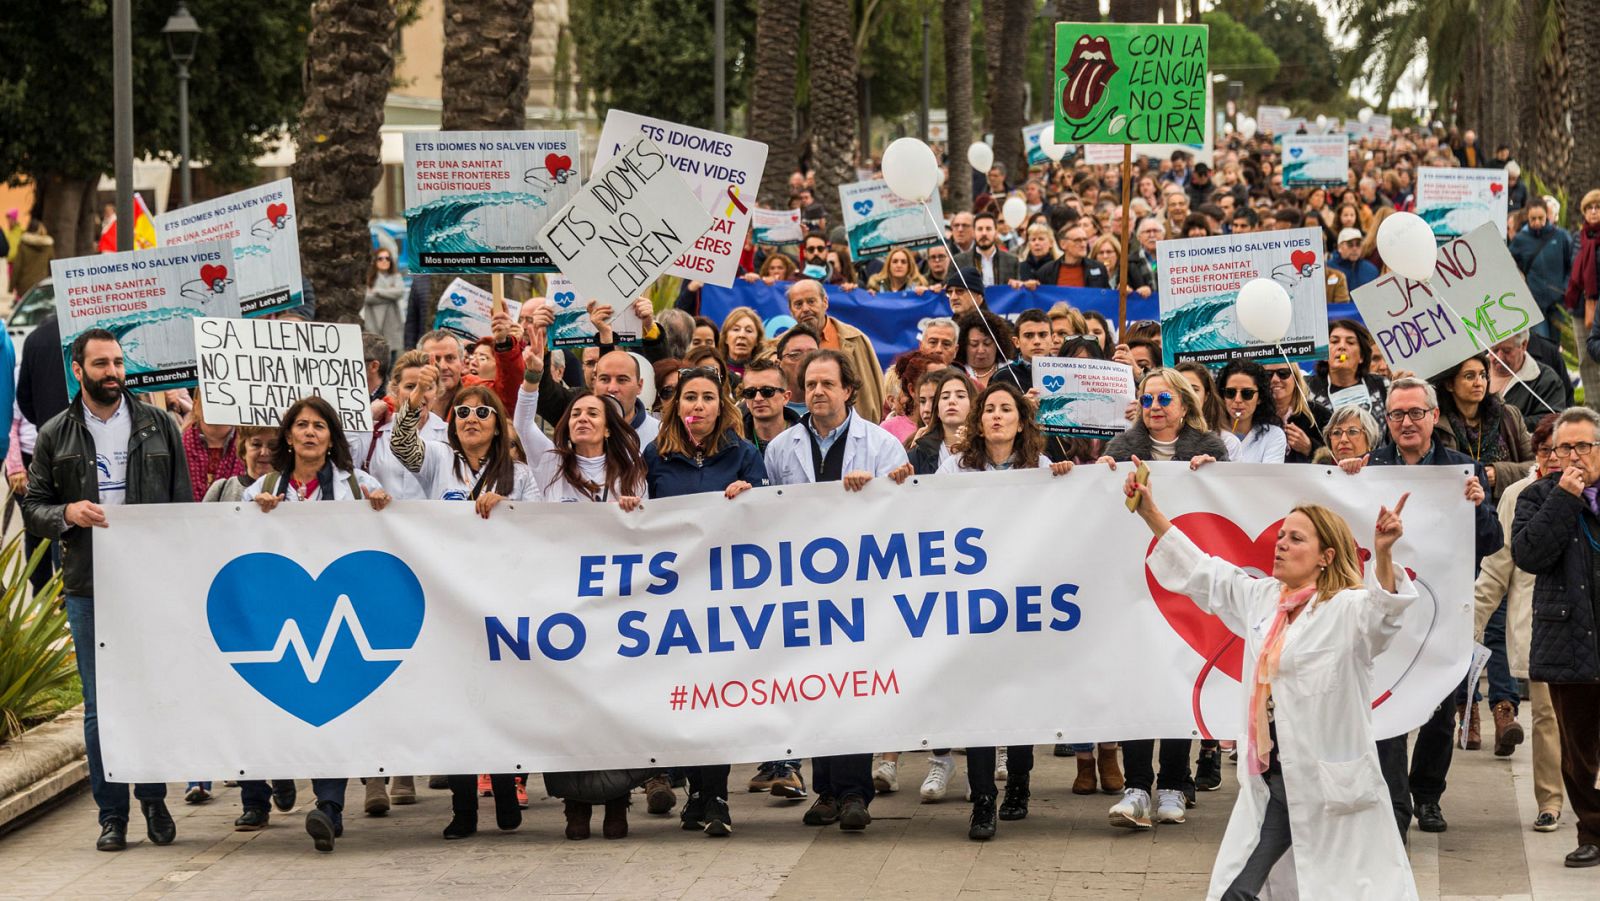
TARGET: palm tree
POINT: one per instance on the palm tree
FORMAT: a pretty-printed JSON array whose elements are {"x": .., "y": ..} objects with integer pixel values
[
  {"x": 486, "y": 55},
  {"x": 957, "y": 20},
  {"x": 1007, "y": 95},
  {"x": 833, "y": 100},
  {"x": 1583, "y": 44},
  {"x": 772, "y": 95},
  {"x": 349, "y": 64},
  {"x": 1549, "y": 143},
  {"x": 1135, "y": 10}
]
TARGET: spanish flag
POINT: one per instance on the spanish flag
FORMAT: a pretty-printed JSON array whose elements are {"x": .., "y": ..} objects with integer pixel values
[{"x": 144, "y": 230}]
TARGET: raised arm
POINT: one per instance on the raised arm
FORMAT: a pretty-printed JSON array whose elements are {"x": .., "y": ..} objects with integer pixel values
[{"x": 1213, "y": 584}]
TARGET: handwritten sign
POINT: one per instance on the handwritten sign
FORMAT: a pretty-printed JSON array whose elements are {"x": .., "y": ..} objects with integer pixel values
[
  {"x": 1475, "y": 299},
  {"x": 262, "y": 225},
  {"x": 146, "y": 298},
  {"x": 1456, "y": 201},
  {"x": 877, "y": 221},
  {"x": 723, "y": 172},
  {"x": 468, "y": 310},
  {"x": 476, "y": 199},
  {"x": 631, "y": 222},
  {"x": 252, "y": 370},
  {"x": 1082, "y": 398},
  {"x": 1311, "y": 160},
  {"x": 1130, "y": 84}
]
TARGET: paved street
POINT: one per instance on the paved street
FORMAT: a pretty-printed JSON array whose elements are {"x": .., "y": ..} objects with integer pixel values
[{"x": 1062, "y": 851}]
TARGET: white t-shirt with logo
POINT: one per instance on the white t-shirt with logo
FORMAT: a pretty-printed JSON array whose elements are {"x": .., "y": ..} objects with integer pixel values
[
  {"x": 111, "y": 451},
  {"x": 386, "y": 467},
  {"x": 443, "y": 478}
]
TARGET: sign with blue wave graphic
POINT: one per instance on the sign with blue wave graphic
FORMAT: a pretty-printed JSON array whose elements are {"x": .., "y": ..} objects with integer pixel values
[
  {"x": 1312, "y": 160},
  {"x": 877, "y": 221},
  {"x": 1456, "y": 201},
  {"x": 477, "y": 200},
  {"x": 1082, "y": 398},
  {"x": 468, "y": 310},
  {"x": 261, "y": 223},
  {"x": 1200, "y": 280},
  {"x": 146, "y": 298}
]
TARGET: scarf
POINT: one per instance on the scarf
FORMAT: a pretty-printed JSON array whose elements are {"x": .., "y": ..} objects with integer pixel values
[
  {"x": 1260, "y": 736},
  {"x": 1485, "y": 443},
  {"x": 201, "y": 471},
  {"x": 1584, "y": 281}
]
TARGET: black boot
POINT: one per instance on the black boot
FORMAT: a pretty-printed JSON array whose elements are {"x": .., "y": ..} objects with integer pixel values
[
  {"x": 1015, "y": 805},
  {"x": 507, "y": 813},
  {"x": 1208, "y": 772},
  {"x": 463, "y": 823},
  {"x": 983, "y": 820}
]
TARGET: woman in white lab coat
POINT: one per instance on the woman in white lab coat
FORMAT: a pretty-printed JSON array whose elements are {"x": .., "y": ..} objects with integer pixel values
[{"x": 1311, "y": 632}]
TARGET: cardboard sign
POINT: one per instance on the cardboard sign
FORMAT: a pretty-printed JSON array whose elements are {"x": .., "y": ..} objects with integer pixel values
[
  {"x": 261, "y": 224},
  {"x": 1200, "y": 280},
  {"x": 1314, "y": 160},
  {"x": 724, "y": 173},
  {"x": 626, "y": 226},
  {"x": 146, "y": 299},
  {"x": 468, "y": 310},
  {"x": 475, "y": 200},
  {"x": 252, "y": 370},
  {"x": 1456, "y": 201},
  {"x": 775, "y": 228},
  {"x": 877, "y": 221},
  {"x": 1270, "y": 119},
  {"x": 1476, "y": 299},
  {"x": 1082, "y": 398},
  {"x": 1130, "y": 84}
]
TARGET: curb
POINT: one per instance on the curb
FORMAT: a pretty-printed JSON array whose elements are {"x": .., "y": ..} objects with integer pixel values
[{"x": 41, "y": 765}]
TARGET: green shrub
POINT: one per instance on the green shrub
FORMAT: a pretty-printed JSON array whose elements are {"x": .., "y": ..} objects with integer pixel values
[{"x": 37, "y": 665}]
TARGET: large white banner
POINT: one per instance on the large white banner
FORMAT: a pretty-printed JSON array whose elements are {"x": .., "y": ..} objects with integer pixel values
[{"x": 1003, "y": 608}]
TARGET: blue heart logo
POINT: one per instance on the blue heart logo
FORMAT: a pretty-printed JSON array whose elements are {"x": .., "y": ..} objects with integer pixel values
[
  {"x": 863, "y": 207},
  {"x": 1296, "y": 151},
  {"x": 454, "y": 495},
  {"x": 1054, "y": 382},
  {"x": 458, "y": 300},
  {"x": 315, "y": 647},
  {"x": 564, "y": 299}
]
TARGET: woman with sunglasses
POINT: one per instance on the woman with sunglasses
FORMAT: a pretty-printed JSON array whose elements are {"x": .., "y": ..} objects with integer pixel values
[
  {"x": 1245, "y": 393},
  {"x": 699, "y": 450},
  {"x": 381, "y": 312},
  {"x": 476, "y": 463},
  {"x": 312, "y": 463},
  {"x": 1199, "y": 377},
  {"x": 1304, "y": 421},
  {"x": 666, "y": 372},
  {"x": 1170, "y": 427}
]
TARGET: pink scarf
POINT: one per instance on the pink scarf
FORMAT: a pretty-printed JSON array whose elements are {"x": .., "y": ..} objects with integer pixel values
[{"x": 1260, "y": 735}]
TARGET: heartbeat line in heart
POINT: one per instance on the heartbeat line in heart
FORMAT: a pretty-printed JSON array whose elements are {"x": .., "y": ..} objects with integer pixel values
[{"x": 344, "y": 613}]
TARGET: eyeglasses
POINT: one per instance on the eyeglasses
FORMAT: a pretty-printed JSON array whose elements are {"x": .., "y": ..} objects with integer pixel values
[
  {"x": 481, "y": 411},
  {"x": 1543, "y": 450},
  {"x": 766, "y": 391},
  {"x": 383, "y": 258},
  {"x": 793, "y": 356},
  {"x": 1415, "y": 415},
  {"x": 1244, "y": 393},
  {"x": 1283, "y": 374},
  {"x": 1580, "y": 449},
  {"x": 1336, "y": 434},
  {"x": 1163, "y": 399},
  {"x": 665, "y": 392},
  {"x": 700, "y": 372},
  {"x": 816, "y": 248}
]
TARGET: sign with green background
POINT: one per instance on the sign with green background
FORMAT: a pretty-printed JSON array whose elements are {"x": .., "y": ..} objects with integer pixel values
[{"x": 1130, "y": 84}]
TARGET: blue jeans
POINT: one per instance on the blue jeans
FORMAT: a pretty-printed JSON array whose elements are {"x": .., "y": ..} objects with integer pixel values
[
  {"x": 110, "y": 797},
  {"x": 1502, "y": 685}
]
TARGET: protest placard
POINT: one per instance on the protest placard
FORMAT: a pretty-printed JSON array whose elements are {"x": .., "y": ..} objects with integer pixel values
[
  {"x": 1200, "y": 152},
  {"x": 146, "y": 298},
  {"x": 627, "y": 225},
  {"x": 1476, "y": 298},
  {"x": 1271, "y": 119},
  {"x": 1130, "y": 84},
  {"x": 574, "y": 328},
  {"x": 1456, "y": 201},
  {"x": 876, "y": 220},
  {"x": 252, "y": 370},
  {"x": 475, "y": 200},
  {"x": 775, "y": 228},
  {"x": 1082, "y": 398},
  {"x": 1030, "y": 143},
  {"x": 261, "y": 223},
  {"x": 468, "y": 310},
  {"x": 721, "y": 170},
  {"x": 1313, "y": 160},
  {"x": 1199, "y": 287}
]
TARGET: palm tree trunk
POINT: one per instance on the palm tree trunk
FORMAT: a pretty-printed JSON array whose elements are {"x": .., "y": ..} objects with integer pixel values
[
  {"x": 349, "y": 64},
  {"x": 833, "y": 100},
  {"x": 772, "y": 96},
  {"x": 1135, "y": 10},
  {"x": 1583, "y": 41},
  {"x": 957, "y": 15},
  {"x": 994, "y": 50},
  {"x": 486, "y": 56},
  {"x": 1549, "y": 148},
  {"x": 1007, "y": 113}
]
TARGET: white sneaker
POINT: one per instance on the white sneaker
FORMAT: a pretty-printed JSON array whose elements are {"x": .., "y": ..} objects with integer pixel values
[
  {"x": 1170, "y": 805},
  {"x": 1133, "y": 811},
  {"x": 886, "y": 776},
  {"x": 940, "y": 769},
  {"x": 1000, "y": 771}
]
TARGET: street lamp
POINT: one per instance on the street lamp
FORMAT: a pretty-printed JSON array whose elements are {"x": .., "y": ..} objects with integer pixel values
[{"x": 182, "y": 32}]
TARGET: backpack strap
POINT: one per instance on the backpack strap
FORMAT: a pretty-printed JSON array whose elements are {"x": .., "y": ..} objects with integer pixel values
[
  {"x": 355, "y": 486},
  {"x": 271, "y": 484}
]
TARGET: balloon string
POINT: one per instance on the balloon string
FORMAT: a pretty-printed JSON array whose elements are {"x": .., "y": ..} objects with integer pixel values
[{"x": 938, "y": 230}]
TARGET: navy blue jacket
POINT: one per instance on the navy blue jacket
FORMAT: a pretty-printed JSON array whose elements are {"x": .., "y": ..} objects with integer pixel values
[
  {"x": 1545, "y": 258},
  {"x": 1355, "y": 274},
  {"x": 677, "y": 474},
  {"x": 1552, "y": 537},
  {"x": 1486, "y": 524}
]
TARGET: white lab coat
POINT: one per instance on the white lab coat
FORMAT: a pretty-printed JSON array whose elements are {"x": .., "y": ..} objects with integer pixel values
[
  {"x": 1346, "y": 847},
  {"x": 868, "y": 446}
]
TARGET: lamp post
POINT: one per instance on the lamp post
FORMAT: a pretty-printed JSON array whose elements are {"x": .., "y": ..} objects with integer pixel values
[{"x": 182, "y": 32}]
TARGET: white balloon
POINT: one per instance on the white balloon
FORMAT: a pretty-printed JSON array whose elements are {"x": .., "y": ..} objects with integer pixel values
[
  {"x": 1322, "y": 121},
  {"x": 1263, "y": 309},
  {"x": 1406, "y": 244},
  {"x": 981, "y": 156},
  {"x": 1227, "y": 128},
  {"x": 1364, "y": 115},
  {"x": 1047, "y": 145},
  {"x": 910, "y": 169},
  {"x": 1247, "y": 127},
  {"x": 1014, "y": 210}
]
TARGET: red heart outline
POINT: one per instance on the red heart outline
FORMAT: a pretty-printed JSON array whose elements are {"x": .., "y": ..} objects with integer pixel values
[
  {"x": 211, "y": 274},
  {"x": 276, "y": 211},
  {"x": 556, "y": 163},
  {"x": 1302, "y": 259},
  {"x": 1495, "y": 188},
  {"x": 1216, "y": 535}
]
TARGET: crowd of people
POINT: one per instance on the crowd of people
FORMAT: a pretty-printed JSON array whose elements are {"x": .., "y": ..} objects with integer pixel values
[{"x": 703, "y": 406}]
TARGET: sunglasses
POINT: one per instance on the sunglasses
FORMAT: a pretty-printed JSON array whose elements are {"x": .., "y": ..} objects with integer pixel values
[
  {"x": 665, "y": 392},
  {"x": 766, "y": 391},
  {"x": 1283, "y": 374},
  {"x": 481, "y": 411},
  {"x": 1245, "y": 393},
  {"x": 700, "y": 372},
  {"x": 1163, "y": 399},
  {"x": 384, "y": 258}
]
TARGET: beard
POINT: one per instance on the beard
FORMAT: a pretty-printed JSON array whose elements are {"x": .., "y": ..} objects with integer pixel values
[{"x": 104, "y": 392}]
